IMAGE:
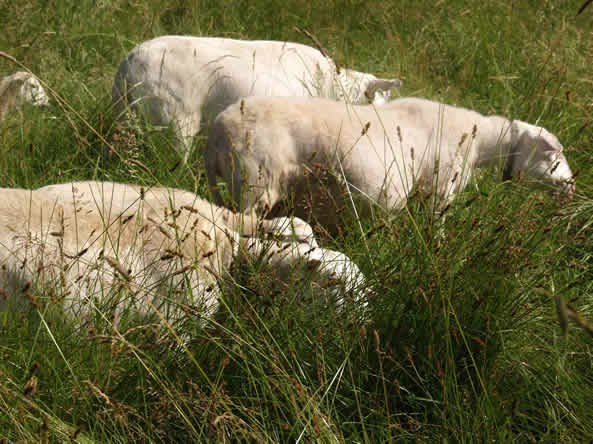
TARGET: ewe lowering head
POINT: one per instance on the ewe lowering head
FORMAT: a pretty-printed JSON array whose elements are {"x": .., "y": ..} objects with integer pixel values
[
  {"x": 32, "y": 92},
  {"x": 378, "y": 91},
  {"x": 361, "y": 87},
  {"x": 22, "y": 87},
  {"x": 538, "y": 153}
]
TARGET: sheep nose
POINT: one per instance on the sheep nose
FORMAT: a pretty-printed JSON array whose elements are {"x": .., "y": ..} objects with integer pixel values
[{"x": 569, "y": 189}]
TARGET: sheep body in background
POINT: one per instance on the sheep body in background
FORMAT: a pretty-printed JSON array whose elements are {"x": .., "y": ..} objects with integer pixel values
[{"x": 188, "y": 80}]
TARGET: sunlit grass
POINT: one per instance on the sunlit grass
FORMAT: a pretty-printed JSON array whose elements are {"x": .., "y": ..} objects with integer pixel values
[{"x": 461, "y": 341}]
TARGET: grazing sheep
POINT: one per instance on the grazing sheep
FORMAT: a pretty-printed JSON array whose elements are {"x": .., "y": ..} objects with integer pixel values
[
  {"x": 267, "y": 147},
  {"x": 20, "y": 88},
  {"x": 81, "y": 242},
  {"x": 188, "y": 80}
]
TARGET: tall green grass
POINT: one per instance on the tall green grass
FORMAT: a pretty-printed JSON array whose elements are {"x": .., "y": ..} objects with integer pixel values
[{"x": 462, "y": 340}]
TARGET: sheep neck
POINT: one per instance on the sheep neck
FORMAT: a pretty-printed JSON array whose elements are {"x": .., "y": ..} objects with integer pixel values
[
  {"x": 495, "y": 143},
  {"x": 512, "y": 154}
]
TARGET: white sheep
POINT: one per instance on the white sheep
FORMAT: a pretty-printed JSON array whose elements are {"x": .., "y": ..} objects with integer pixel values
[
  {"x": 189, "y": 80},
  {"x": 18, "y": 89},
  {"x": 266, "y": 148},
  {"x": 82, "y": 242}
]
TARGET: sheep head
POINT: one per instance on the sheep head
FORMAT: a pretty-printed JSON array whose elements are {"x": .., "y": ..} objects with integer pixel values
[{"x": 538, "y": 153}]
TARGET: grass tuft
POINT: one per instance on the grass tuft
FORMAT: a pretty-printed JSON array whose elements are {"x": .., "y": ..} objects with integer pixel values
[{"x": 478, "y": 328}]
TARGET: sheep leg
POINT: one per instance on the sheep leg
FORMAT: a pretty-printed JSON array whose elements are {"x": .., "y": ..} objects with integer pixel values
[
  {"x": 450, "y": 186},
  {"x": 186, "y": 128}
]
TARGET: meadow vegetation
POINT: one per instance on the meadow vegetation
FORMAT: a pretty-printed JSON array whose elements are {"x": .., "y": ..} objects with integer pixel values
[{"x": 462, "y": 340}]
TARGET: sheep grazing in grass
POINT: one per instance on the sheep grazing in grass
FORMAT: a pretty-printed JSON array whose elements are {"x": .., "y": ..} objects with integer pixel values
[
  {"x": 18, "y": 89},
  {"x": 266, "y": 148},
  {"x": 83, "y": 242},
  {"x": 188, "y": 80}
]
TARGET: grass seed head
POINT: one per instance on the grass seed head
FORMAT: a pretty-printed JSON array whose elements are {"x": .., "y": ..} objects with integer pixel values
[
  {"x": 31, "y": 386},
  {"x": 463, "y": 137}
]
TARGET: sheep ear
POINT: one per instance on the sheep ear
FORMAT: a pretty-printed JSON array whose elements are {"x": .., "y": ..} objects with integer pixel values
[
  {"x": 16, "y": 84},
  {"x": 547, "y": 145},
  {"x": 382, "y": 84},
  {"x": 537, "y": 138}
]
